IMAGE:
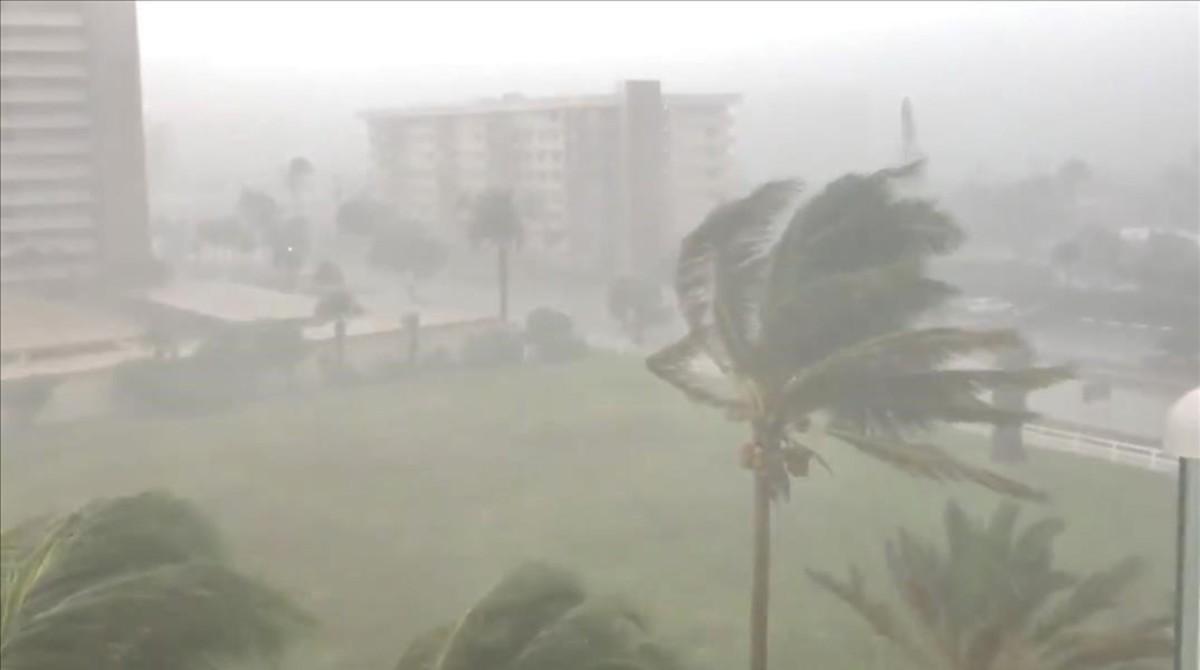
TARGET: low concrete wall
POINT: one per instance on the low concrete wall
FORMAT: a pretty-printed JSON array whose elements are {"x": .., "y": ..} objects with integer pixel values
[{"x": 87, "y": 394}]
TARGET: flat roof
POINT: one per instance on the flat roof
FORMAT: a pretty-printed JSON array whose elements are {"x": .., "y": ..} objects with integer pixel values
[
  {"x": 232, "y": 302},
  {"x": 523, "y": 104},
  {"x": 29, "y": 322}
]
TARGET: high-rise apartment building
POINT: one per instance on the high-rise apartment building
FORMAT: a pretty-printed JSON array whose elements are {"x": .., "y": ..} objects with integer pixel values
[
  {"x": 72, "y": 167},
  {"x": 606, "y": 181}
]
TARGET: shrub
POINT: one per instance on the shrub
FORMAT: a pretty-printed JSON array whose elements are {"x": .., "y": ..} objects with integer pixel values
[
  {"x": 494, "y": 347},
  {"x": 551, "y": 336}
]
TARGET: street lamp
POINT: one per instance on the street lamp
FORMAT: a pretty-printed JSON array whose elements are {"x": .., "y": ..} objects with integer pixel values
[{"x": 1182, "y": 438}]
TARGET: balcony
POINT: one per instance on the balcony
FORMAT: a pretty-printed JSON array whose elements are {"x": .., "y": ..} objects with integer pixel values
[
  {"x": 16, "y": 147},
  {"x": 53, "y": 223},
  {"x": 18, "y": 42}
]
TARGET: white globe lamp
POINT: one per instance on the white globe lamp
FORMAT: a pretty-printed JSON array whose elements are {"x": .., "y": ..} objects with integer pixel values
[{"x": 1181, "y": 438}]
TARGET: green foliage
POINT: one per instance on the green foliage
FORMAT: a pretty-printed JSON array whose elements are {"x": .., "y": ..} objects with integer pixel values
[
  {"x": 258, "y": 210},
  {"x": 815, "y": 326},
  {"x": 499, "y": 346},
  {"x": 637, "y": 303},
  {"x": 992, "y": 599},
  {"x": 551, "y": 336},
  {"x": 336, "y": 305},
  {"x": 329, "y": 275},
  {"x": 495, "y": 220},
  {"x": 225, "y": 369},
  {"x": 133, "y": 583},
  {"x": 299, "y": 173},
  {"x": 540, "y": 618},
  {"x": 25, "y": 398}
]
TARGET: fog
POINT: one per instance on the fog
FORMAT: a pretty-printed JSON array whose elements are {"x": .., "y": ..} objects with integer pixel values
[
  {"x": 898, "y": 370},
  {"x": 1000, "y": 90}
]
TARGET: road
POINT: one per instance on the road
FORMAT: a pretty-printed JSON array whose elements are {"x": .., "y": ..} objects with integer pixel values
[{"x": 469, "y": 286}]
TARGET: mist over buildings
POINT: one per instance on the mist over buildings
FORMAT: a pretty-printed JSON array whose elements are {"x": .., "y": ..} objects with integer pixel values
[{"x": 999, "y": 90}]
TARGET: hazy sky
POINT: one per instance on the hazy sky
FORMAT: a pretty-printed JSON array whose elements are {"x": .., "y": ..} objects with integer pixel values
[
  {"x": 999, "y": 88},
  {"x": 347, "y": 36}
]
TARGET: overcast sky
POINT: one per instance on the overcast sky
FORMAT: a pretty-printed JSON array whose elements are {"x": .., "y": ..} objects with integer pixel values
[
  {"x": 999, "y": 88},
  {"x": 347, "y": 36}
]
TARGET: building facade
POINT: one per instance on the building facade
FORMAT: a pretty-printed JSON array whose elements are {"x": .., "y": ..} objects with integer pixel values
[
  {"x": 609, "y": 182},
  {"x": 72, "y": 165}
]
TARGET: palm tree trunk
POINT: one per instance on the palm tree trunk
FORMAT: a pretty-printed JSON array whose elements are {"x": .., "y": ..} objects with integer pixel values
[
  {"x": 502, "y": 269},
  {"x": 762, "y": 570}
]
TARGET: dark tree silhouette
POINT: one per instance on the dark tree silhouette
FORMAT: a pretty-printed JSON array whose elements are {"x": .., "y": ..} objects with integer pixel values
[{"x": 497, "y": 223}]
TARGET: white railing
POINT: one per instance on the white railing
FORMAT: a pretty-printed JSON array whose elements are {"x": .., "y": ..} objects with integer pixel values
[{"x": 1115, "y": 451}]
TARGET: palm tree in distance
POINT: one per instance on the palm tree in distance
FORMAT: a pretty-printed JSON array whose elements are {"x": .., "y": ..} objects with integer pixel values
[
  {"x": 337, "y": 306},
  {"x": 495, "y": 221},
  {"x": 136, "y": 583},
  {"x": 297, "y": 177},
  {"x": 994, "y": 600},
  {"x": 812, "y": 333}
]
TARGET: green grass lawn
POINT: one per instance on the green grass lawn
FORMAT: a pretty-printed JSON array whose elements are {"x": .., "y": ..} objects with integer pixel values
[{"x": 388, "y": 509}]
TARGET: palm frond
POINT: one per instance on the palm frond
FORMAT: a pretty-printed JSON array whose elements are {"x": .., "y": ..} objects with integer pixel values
[
  {"x": 853, "y": 224},
  {"x": 1150, "y": 639},
  {"x": 930, "y": 462},
  {"x": 891, "y": 383},
  {"x": 677, "y": 364},
  {"x": 972, "y": 604},
  {"x": 30, "y": 553},
  {"x": 743, "y": 244},
  {"x": 134, "y": 583},
  {"x": 1094, "y": 594},
  {"x": 539, "y": 618},
  {"x": 839, "y": 310},
  {"x": 157, "y": 617},
  {"x": 876, "y": 613},
  {"x": 721, "y": 267}
]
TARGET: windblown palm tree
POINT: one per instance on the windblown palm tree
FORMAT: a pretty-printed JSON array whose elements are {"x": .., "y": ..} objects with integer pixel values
[
  {"x": 136, "y": 583},
  {"x": 993, "y": 600},
  {"x": 540, "y": 618},
  {"x": 496, "y": 222},
  {"x": 297, "y": 176},
  {"x": 337, "y": 306},
  {"x": 813, "y": 331}
]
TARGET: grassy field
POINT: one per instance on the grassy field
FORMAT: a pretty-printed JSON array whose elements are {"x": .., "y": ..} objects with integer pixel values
[{"x": 388, "y": 509}]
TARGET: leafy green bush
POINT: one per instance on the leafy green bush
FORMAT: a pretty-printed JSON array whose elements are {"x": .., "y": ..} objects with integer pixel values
[
  {"x": 225, "y": 369},
  {"x": 492, "y": 348},
  {"x": 551, "y": 336}
]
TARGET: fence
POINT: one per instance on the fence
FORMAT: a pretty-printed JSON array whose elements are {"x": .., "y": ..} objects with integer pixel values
[{"x": 1094, "y": 446}]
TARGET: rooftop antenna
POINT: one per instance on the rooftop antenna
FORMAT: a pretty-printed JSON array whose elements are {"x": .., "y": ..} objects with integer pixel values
[{"x": 909, "y": 151}]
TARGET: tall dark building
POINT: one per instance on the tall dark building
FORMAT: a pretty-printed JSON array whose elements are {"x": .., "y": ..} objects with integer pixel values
[{"x": 72, "y": 165}]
